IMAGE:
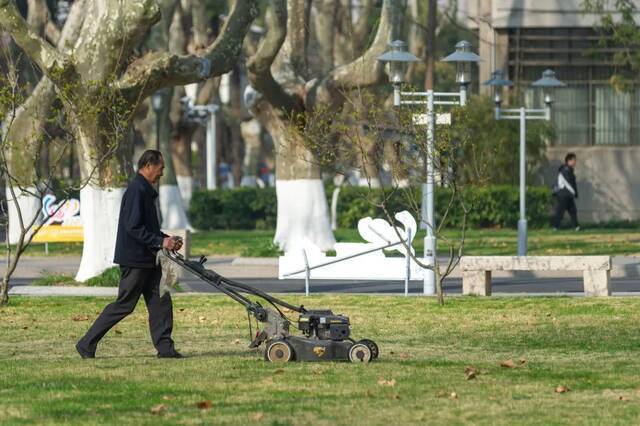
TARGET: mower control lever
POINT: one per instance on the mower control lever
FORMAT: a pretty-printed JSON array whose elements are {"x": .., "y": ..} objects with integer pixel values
[{"x": 202, "y": 260}]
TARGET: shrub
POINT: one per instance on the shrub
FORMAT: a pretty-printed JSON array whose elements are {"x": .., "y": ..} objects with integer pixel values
[{"x": 255, "y": 208}]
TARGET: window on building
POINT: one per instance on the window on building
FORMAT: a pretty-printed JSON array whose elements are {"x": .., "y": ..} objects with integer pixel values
[{"x": 589, "y": 111}]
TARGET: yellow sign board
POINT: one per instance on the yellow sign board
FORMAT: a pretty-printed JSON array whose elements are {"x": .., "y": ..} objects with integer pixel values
[{"x": 59, "y": 234}]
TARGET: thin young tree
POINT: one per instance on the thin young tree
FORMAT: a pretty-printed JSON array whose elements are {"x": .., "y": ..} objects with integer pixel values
[{"x": 450, "y": 153}]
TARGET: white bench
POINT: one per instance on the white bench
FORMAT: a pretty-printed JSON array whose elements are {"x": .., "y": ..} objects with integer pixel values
[{"x": 476, "y": 271}]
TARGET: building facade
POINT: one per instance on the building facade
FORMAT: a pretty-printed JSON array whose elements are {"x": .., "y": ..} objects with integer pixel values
[{"x": 593, "y": 118}]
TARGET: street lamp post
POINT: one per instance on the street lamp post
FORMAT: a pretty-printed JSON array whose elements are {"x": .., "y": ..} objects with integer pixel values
[
  {"x": 548, "y": 82},
  {"x": 398, "y": 59},
  {"x": 200, "y": 113}
]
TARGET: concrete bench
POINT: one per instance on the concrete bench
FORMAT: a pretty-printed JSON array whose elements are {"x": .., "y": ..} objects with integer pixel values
[{"x": 476, "y": 270}]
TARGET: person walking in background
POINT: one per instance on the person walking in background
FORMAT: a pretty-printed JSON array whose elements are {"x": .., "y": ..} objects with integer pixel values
[{"x": 566, "y": 192}]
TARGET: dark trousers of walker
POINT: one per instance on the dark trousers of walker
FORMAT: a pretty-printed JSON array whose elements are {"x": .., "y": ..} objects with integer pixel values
[
  {"x": 565, "y": 203},
  {"x": 133, "y": 283}
]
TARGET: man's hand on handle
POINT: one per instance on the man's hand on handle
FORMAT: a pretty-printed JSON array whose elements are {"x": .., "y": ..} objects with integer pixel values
[{"x": 172, "y": 243}]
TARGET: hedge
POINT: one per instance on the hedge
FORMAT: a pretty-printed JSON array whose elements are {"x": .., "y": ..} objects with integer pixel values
[{"x": 255, "y": 208}]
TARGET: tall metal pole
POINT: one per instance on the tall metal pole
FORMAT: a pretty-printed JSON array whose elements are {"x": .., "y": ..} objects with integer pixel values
[
  {"x": 428, "y": 194},
  {"x": 522, "y": 223},
  {"x": 211, "y": 150}
]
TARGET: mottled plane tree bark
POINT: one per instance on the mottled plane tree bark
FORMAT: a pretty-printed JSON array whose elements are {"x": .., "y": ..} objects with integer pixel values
[
  {"x": 286, "y": 94},
  {"x": 102, "y": 67}
]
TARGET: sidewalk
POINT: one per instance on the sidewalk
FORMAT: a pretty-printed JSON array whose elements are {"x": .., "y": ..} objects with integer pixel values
[{"x": 249, "y": 267}]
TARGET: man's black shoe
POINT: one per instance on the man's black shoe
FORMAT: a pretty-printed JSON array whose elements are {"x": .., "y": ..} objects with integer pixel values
[
  {"x": 84, "y": 353},
  {"x": 174, "y": 354}
]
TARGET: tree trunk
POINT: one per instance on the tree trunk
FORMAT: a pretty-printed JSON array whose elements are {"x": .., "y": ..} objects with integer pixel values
[
  {"x": 100, "y": 199},
  {"x": 302, "y": 205},
  {"x": 174, "y": 215},
  {"x": 235, "y": 104},
  {"x": 251, "y": 134},
  {"x": 101, "y": 88},
  {"x": 431, "y": 44}
]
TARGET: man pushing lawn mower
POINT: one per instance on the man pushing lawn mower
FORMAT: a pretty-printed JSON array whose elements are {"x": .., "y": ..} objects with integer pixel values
[
  {"x": 139, "y": 238},
  {"x": 324, "y": 335}
]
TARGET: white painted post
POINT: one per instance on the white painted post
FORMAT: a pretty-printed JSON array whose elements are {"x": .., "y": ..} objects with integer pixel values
[
  {"x": 430, "y": 238},
  {"x": 211, "y": 150},
  {"x": 307, "y": 271},
  {"x": 407, "y": 276}
]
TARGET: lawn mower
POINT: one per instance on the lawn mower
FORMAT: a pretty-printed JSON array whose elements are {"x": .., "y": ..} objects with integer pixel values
[{"x": 325, "y": 336}]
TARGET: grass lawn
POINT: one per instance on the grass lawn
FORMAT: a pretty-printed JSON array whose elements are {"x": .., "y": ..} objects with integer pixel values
[
  {"x": 589, "y": 346},
  {"x": 258, "y": 243}
]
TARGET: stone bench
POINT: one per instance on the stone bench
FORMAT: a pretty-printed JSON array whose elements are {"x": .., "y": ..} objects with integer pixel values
[{"x": 476, "y": 270}]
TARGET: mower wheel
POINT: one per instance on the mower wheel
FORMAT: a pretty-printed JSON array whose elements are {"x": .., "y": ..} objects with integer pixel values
[
  {"x": 373, "y": 346},
  {"x": 278, "y": 351},
  {"x": 360, "y": 352}
]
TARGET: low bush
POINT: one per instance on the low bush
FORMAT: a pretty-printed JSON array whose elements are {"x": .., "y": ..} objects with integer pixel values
[{"x": 255, "y": 208}]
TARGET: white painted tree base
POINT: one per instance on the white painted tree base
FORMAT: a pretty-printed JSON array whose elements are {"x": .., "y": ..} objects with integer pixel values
[
  {"x": 174, "y": 215},
  {"x": 302, "y": 215},
  {"x": 185, "y": 183},
  {"x": 29, "y": 208},
  {"x": 99, "y": 211}
]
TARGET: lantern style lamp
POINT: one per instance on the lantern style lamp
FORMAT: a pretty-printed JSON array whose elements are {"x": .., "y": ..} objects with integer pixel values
[
  {"x": 497, "y": 82},
  {"x": 398, "y": 60},
  {"x": 548, "y": 82},
  {"x": 463, "y": 57}
]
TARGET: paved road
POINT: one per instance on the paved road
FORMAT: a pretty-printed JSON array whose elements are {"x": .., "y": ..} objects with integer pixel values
[{"x": 453, "y": 285}]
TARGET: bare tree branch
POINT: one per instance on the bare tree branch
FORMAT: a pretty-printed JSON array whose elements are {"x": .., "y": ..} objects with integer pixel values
[
  {"x": 46, "y": 57},
  {"x": 365, "y": 70},
  {"x": 259, "y": 65},
  {"x": 156, "y": 70}
]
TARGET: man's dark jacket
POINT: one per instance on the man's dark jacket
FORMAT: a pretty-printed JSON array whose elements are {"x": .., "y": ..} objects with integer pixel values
[
  {"x": 570, "y": 177},
  {"x": 139, "y": 236}
]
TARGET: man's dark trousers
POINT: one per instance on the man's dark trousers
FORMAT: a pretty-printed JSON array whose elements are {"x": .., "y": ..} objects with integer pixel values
[
  {"x": 133, "y": 283},
  {"x": 565, "y": 202}
]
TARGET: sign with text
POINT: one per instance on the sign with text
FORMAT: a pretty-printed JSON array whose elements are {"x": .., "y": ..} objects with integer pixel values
[{"x": 441, "y": 118}]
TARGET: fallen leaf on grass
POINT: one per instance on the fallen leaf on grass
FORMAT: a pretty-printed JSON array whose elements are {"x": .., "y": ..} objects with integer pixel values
[
  {"x": 117, "y": 331},
  {"x": 257, "y": 416},
  {"x": 522, "y": 361},
  {"x": 394, "y": 396},
  {"x": 508, "y": 363},
  {"x": 470, "y": 372},
  {"x": 279, "y": 371},
  {"x": 562, "y": 389},
  {"x": 404, "y": 355},
  {"x": 204, "y": 405},
  {"x": 81, "y": 318},
  {"x": 268, "y": 381},
  {"x": 168, "y": 397},
  {"x": 25, "y": 328},
  {"x": 453, "y": 395},
  {"x": 158, "y": 409},
  {"x": 623, "y": 398},
  {"x": 384, "y": 382},
  {"x": 202, "y": 319},
  {"x": 181, "y": 310},
  {"x": 236, "y": 342}
]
